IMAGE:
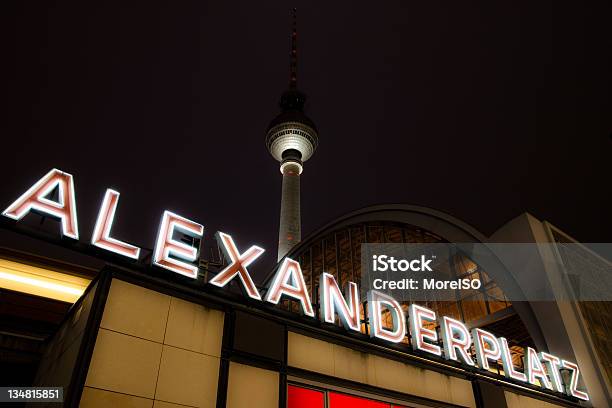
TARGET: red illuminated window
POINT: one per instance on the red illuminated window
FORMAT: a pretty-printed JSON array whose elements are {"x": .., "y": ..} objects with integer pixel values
[
  {"x": 298, "y": 397},
  {"x": 348, "y": 401}
]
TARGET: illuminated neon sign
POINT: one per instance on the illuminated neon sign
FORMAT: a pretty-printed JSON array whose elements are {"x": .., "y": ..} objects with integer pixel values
[
  {"x": 36, "y": 198},
  {"x": 101, "y": 235},
  {"x": 541, "y": 369},
  {"x": 347, "y": 307},
  {"x": 238, "y": 265}
]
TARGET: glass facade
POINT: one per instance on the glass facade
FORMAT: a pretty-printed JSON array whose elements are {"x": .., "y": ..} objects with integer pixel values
[
  {"x": 338, "y": 252},
  {"x": 597, "y": 315}
]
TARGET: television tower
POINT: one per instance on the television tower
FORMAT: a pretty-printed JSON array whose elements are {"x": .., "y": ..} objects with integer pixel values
[{"x": 291, "y": 139}]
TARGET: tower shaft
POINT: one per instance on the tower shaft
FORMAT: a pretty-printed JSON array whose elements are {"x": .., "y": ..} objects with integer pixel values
[{"x": 290, "y": 230}]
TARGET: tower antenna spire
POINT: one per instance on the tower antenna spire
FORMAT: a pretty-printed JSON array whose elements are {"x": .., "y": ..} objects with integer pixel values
[{"x": 293, "y": 57}]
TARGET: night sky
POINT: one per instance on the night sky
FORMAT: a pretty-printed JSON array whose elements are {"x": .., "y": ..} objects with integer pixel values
[{"x": 483, "y": 110}]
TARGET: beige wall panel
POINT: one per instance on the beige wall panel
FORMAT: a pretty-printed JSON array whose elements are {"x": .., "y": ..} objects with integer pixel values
[
  {"x": 520, "y": 401},
  {"x": 187, "y": 378},
  {"x": 322, "y": 357},
  {"x": 94, "y": 398},
  {"x": 310, "y": 354},
  {"x": 137, "y": 311},
  {"x": 251, "y": 387},
  {"x": 124, "y": 364},
  {"x": 421, "y": 382},
  {"x": 194, "y": 327},
  {"x": 390, "y": 374},
  {"x": 163, "y": 404},
  {"x": 350, "y": 364},
  {"x": 462, "y": 392},
  {"x": 401, "y": 377},
  {"x": 447, "y": 388}
]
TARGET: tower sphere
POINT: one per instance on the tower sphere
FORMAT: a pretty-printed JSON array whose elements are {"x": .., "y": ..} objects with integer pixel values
[{"x": 292, "y": 135}]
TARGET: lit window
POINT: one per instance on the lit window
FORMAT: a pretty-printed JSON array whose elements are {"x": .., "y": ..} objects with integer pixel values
[
  {"x": 348, "y": 401},
  {"x": 298, "y": 397},
  {"x": 302, "y": 397}
]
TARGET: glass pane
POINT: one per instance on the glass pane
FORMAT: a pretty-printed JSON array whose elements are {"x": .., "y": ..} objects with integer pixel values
[
  {"x": 497, "y": 300},
  {"x": 375, "y": 234},
  {"x": 393, "y": 234},
  {"x": 329, "y": 256},
  {"x": 298, "y": 397},
  {"x": 473, "y": 308},
  {"x": 349, "y": 401},
  {"x": 344, "y": 258}
]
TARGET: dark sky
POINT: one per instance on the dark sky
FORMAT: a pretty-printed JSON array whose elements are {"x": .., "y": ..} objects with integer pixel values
[{"x": 483, "y": 109}]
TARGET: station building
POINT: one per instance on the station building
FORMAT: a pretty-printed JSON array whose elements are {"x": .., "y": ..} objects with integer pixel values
[{"x": 113, "y": 331}]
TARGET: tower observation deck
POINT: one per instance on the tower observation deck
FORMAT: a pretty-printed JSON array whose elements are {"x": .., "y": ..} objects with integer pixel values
[{"x": 291, "y": 139}]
